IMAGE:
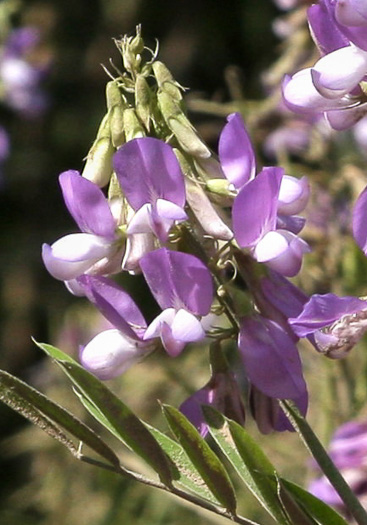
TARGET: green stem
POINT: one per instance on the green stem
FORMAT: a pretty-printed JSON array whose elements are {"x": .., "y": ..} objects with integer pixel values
[{"x": 312, "y": 442}]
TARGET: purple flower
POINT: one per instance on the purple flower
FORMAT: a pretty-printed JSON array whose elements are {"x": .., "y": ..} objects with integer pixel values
[
  {"x": 153, "y": 183},
  {"x": 221, "y": 392},
  {"x": 332, "y": 85},
  {"x": 182, "y": 286},
  {"x": 22, "y": 79},
  {"x": 336, "y": 323},
  {"x": 255, "y": 220},
  {"x": 112, "y": 352},
  {"x": 98, "y": 248},
  {"x": 271, "y": 358},
  {"x": 359, "y": 221}
]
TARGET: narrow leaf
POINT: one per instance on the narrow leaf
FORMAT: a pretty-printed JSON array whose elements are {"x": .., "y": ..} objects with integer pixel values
[
  {"x": 120, "y": 418},
  {"x": 249, "y": 461},
  {"x": 205, "y": 460},
  {"x": 296, "y": 513},
  {"x": 320, "y": 511},
  {"x": 38, "y": 408}
]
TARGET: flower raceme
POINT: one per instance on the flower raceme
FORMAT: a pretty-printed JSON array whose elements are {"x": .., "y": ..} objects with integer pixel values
[
  {"x": 332, "y": 85},
  {"x": 98, "y": 247}
]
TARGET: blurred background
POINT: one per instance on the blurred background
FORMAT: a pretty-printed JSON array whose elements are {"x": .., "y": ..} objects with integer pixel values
[{"x": 224, "y": 52}]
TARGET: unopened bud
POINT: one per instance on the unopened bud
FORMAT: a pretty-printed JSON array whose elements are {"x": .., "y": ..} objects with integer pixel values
[
  {"x": 220, "y": 187},
  {"x": 143, "y": 100},
  {"x": 132, "y": 126},
  {"x": 113, "y": 95},
  {"x": 166, "y": 82},
  {"x": 181, "y": 127},
  {"x": 116, "y": 116},
  {"x": 98, "y": 167}
]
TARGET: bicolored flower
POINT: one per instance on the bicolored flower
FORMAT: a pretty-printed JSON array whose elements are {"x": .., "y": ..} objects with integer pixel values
[
  {"x": 112, "y": 352},
  {"x": 255, "y": 221},
  {"x": 331, "y": 86},
  {"x": 152, "y": 181},
  {"x": 183, "y": 288},
  {"x": 99, "y": 247}
]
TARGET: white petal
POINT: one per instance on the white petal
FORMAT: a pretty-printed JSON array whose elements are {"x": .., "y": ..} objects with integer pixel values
[
  {"x": 293, "y": 195},
  {"x": 337, "y": 73},
  {"x": 186, "y": 327},
  {"x": 155, "y": 327},
  {"x": 111, "y": 353},
  {"x": 141, "y": 221},
  {"x": 170, "y": 210}
]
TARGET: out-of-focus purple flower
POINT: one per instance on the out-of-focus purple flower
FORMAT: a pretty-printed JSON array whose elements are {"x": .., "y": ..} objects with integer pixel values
[
  {"x": 336, "y": 323},
  {"x": 182, "y": 286},
  {"x": 20, "y": 78},
  {"x": 99, "y": 248},
  {"x": 153, "y": 183},
  {"x": 254, "y": 215},
  {"x": 4, "y": 150},
  {"x": 221, "y": 392},
  {"x": 112, "y": 352},
  {"x": 292, "y": 137},
  {"x": 359, "y": 221},
  {"x": 348, "y": 450},
  {"x": 331, "y": 86}
]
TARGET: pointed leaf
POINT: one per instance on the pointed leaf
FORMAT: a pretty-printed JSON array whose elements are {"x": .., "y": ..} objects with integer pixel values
[
  {"x": 320, "y": 511},
  {"x": 30, "y": 401},
  {"x": 248, "y": 459},
  {"x": 124, "y": 422},
  {"x": 205, "y": 460}
]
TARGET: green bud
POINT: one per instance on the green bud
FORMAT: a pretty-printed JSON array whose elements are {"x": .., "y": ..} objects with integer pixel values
[
  {"x": 104, "y": 128},
  {"x": 98, "y": 167},
  {"x": 113, "y": 95},
  {"x": 181, "y": 127},
  {"x": 137, "y": 43},
  {"x": 132, "y": 126},
  {"x": 116, "y": 117},
  {"x": 143, "y": 100},
  {"x": 166, "y": 82},
  {"x": 220, "y": 187}
]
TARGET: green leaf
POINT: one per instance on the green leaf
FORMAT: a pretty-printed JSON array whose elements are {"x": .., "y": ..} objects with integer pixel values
[
  {"x": 183, "y": 471},
  {"x": 320, "y": 511},
  {"x": 121, "y": 420},
  {"x": 50, "y": 416},
  {"x": 249, "y": 461},
  {"x": 205, "y": 460}
]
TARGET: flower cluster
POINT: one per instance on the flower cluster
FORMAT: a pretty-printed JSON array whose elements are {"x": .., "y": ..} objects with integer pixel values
[
  {"x": 153, "y": 200},
  {"x": 335, "y": 84}
]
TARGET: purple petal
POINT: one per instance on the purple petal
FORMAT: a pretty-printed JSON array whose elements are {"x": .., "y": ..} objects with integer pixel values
[
  {"x": 360, "y": 221},
  {"x": 283, "y": 294},
  {"x": 271, "y": 358},
  {"x": 351, "y": 12},
  {"x": 110, "y": 353},
  {"x": 170, "y": 210},
  {"x": 147, "y": 170},
  {"x": 191, "y": 408},
  {"x": 87, "y": 205},
  {"x": 324, "y": 30},
  {"x": 322, "y": 489},
  {"x": 178, "y": 280},
  {"x": 236, "y": 153},
  {"x": 346, "y": 118},
  {"x": 282, "y": 422},
  {"x": 115, "y": 304},
  {"x": 171, "y": 345},
  {"x": 292, "y": 223},
  {"x": 254, "y": 208},
  {"x": 323, "y": 310}
]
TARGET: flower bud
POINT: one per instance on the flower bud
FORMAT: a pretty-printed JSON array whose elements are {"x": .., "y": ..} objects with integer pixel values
[
  {"x": 113, "y": 95},
  {"x": 98, "y": 168},
  {"x": 143, "y": 100},
  {"x": 181, "y": 127},
  {"x": 132, "y": 126}
]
